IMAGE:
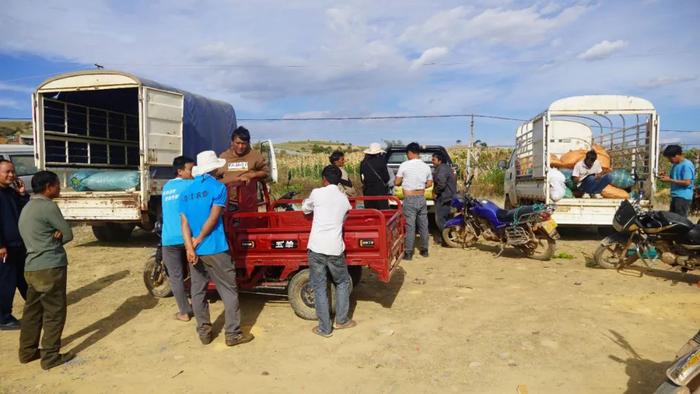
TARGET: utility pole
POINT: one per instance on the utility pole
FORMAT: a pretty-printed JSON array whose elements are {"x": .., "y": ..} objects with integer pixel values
[{"x": 472, "y": 152}]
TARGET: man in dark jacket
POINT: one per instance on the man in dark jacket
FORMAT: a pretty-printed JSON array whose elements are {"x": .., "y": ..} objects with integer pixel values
[
  {"x": 375, "y": 176},
  {"x": 444, "y": 188},
  {"x": 13, "y": 197}
]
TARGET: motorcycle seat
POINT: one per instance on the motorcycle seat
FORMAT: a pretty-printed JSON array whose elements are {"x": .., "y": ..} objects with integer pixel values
[
  {"x": 692, "y": 237},
  {"x": 508, "y": 216}
]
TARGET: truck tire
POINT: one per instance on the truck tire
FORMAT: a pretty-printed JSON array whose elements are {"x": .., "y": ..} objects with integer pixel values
[
  {"x": 156, "y": 280},
  {"x": 113, "y": 232},
  {"x": 301, "y": 295},
  {"x": 355, "y": 274}
]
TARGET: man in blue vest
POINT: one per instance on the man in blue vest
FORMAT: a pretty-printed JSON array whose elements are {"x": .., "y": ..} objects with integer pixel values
[
  {"x": 201, "y": 208},
  {"x": 171, "y": 237}
]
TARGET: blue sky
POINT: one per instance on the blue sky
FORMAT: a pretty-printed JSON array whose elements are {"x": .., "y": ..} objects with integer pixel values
[{"x": 354, "y": 58}]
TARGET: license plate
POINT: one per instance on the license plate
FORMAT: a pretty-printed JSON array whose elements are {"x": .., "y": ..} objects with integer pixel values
[{"x": 550, "y": 226}]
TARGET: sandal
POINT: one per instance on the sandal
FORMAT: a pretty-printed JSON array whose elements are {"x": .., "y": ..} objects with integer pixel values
[
  {"x": 316, "y": 331},
  {"x": 347, "y": 324}
]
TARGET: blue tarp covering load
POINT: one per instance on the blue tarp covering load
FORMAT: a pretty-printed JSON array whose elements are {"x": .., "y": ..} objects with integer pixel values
[
  {"x": 89, "y": 180},
  {"x": 207, "y": 123}
]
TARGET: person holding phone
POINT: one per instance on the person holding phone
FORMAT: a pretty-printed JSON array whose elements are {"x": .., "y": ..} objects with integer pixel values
[
  {"x": 681, "y": 179},
  {"x": 13, "y": 197}
]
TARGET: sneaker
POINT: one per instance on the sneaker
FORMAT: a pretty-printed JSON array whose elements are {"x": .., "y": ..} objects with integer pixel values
[
  {"x": 424, "y": 253},
  {"x": 27, "y": 359},
  {"x": 11, "y": 324},
  {"x": 586, "y": 195},
  {"x": 60, "y": 360},
  {"x": 233, "y": 340},
  {"x": 597, "y": 195},
  {"x": 205, "y": 334},
  {"x": 408, "y": 256}
]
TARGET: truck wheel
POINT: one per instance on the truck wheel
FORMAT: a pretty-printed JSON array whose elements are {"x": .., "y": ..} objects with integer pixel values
[
  {"x": 608, "y": 254},
  {"x": 113, "y": 232},
  {"x": 301, "y": 295},
  {"x": 355, "y": 274},
  {"x": 156, "y": 278}
]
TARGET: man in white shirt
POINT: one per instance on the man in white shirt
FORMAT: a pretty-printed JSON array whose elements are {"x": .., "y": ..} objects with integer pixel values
[
  {"x": 326, "y": 248},
  {"x": 589, "y": 177},
  {"x": 415, "y": 176}
]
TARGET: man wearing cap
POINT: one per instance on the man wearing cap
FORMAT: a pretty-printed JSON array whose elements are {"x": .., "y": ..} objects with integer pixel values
[
  {"x": 415, "y": 176},
  {"x": 201, "y": 207},
  {"x": 375, "y": 176},
  {"x": 244, "y": 168}
]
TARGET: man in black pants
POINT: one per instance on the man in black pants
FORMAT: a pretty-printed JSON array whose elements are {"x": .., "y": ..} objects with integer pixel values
[
  {"x": 375, "y": 176},
  {"x": 13, "y": 197},
  {"x": 444, "y": 188}
]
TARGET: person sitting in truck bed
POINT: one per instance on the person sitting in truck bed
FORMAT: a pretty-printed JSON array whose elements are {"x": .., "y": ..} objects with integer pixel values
[
  {"x": 244, "y": 167},
  {"x": 589, "y": 177}
]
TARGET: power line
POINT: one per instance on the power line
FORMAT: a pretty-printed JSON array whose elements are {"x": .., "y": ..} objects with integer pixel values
[{"x": 387, "y": 117}]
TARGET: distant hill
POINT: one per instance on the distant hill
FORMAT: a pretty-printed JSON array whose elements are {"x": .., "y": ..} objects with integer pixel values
[
  {"x": 315, "y": 146},
  {"x": 9, "y": 128}
]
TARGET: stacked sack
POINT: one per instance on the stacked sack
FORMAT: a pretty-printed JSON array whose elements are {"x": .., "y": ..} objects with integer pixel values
[{"x": 621, "y": 179}]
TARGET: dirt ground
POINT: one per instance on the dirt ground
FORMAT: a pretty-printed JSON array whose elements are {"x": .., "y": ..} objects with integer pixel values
[{"x": 458, "y": 321}]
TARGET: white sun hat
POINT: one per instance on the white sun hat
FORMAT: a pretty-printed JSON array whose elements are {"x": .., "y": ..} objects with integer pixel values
[
  {"x": 207, "y": 162},
  {"x": 374, "y": 149}
]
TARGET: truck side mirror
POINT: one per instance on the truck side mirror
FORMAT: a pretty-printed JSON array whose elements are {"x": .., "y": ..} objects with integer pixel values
[{"x": 502, "y": 164}]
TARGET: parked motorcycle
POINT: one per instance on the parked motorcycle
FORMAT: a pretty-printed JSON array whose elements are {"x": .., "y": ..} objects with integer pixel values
[
  {"x": 528, "y": 228},
  {"x": 683, "y": 376},
  {"x": 640, "y": 233}
]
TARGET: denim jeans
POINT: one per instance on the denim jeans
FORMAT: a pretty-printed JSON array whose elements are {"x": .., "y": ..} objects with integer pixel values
[
  {"x": 415, "y": 210},
  {"x": 591, "y": 185},
  {"x": 320, "y": 265},
  {"x": 680, "y": 206}
]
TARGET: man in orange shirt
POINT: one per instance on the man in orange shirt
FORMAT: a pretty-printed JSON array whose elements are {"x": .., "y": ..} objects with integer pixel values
[{"x": 244, "y": 168}]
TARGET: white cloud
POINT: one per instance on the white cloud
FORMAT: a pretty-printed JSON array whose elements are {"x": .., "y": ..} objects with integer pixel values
[
  {"x": 429, "y": 56},
  {"x": 665, "y": 81},
  {"x": 602, "y": 50},
  {"x": 9, "y": 103},
  {"x": 8, "y": 87}
]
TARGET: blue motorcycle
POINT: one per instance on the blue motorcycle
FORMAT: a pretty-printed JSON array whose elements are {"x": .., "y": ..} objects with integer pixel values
[{"x": 529, "y": 228}]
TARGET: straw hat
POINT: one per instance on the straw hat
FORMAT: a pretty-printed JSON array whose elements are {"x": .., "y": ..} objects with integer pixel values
[
  {"x": 374, "y": 149},
  {"x": 207, "y": 162}
]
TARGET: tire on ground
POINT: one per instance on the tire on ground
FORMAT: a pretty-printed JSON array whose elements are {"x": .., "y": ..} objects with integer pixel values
[
  {"x": 548, "y": 252},
  {"x": 301, "y": 295},
  {"x": 113, "y": 232},
  {"x": 160, "y": 286}
]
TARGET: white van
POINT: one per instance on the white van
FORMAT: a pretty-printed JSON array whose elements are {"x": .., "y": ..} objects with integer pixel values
[
  {"x": 626, "y": 127},
  {"x": 22, "y": 156}
]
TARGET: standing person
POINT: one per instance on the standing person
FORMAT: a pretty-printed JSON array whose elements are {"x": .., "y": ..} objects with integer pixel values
[
  {"x": 375, "y": 176},
  {"x": 337, "y": 159},
  {"x": 444, "y": 189},
  {"x": 326, "y": 251},
  {"x": 201, "y": 208},
  {"x": 44, "y": 231},
  {"x": 589, "y": 177},
  {"x": 415, "y": 176},
  {"x": 681, "y": 180},
  {"x": 244, "y": 168},
  {"x": 13, "y": 197},
  {"x": 171, "y": 237}
]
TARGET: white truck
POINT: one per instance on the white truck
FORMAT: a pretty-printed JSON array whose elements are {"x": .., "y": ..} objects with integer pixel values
[
  {"x": 114, "y": 121},
  {"x": 626, "y": 127}
]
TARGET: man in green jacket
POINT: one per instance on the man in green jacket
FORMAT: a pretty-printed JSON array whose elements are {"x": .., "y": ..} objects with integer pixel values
[{"x": 44, "y": 232}]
